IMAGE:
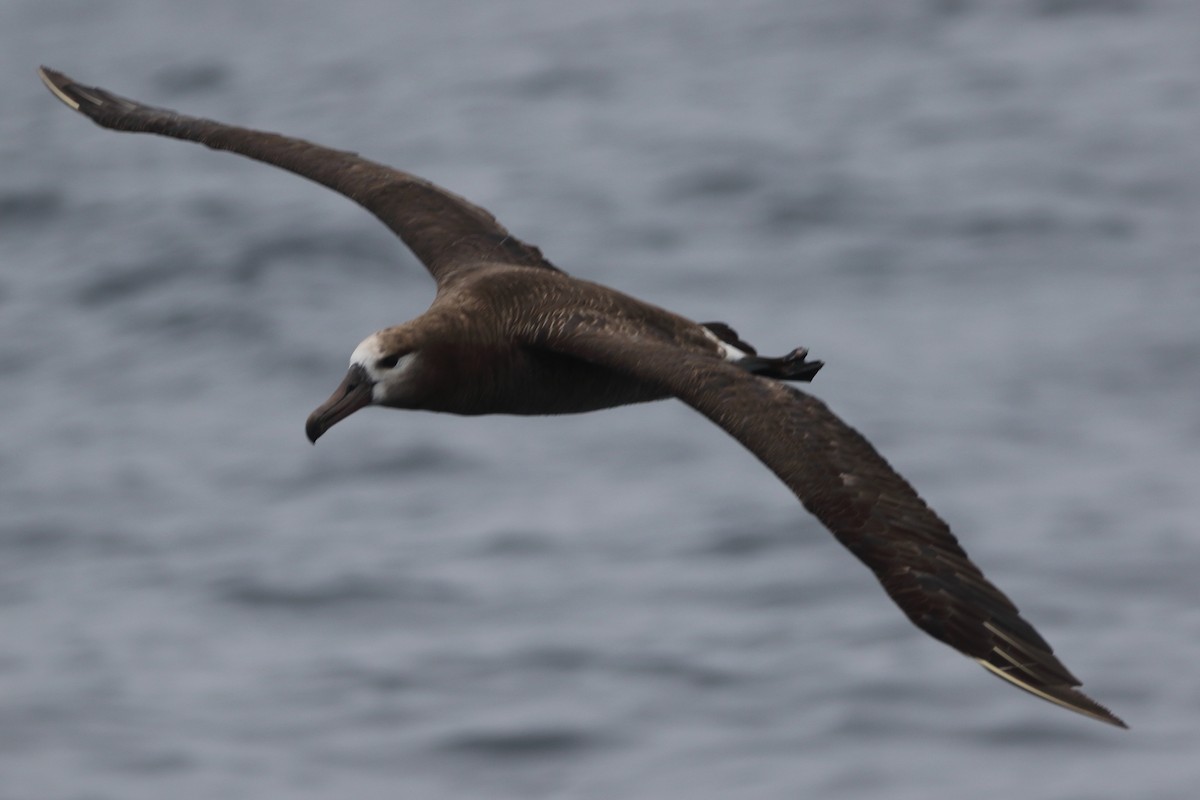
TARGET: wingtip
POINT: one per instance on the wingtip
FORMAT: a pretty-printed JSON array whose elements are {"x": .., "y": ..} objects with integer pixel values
[
  {"x": 106, "y": 109},
  {"x": 56, "y": 82},
  {"x": 1068, "y": 697}
]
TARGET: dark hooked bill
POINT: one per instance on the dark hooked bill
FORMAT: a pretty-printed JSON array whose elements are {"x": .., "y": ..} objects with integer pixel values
[{"x": 353, "y": 394}]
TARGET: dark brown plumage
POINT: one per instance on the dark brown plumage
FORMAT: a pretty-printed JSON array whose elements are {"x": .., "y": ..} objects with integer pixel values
[{"x": 508, "y": 332}]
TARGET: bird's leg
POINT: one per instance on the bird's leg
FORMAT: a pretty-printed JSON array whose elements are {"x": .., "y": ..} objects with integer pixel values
[{"x": 792, "y": 367}]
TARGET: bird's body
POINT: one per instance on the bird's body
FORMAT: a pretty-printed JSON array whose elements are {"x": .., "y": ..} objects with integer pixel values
[
  {"x": 478, "y": 346},
  {"x": 510, "y": 333}
]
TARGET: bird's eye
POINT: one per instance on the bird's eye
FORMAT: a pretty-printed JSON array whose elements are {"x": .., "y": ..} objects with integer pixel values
[{"x": 388, "y": 362}]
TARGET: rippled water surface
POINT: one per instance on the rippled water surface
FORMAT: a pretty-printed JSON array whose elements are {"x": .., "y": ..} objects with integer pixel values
[{"x": 983, "y": 217}]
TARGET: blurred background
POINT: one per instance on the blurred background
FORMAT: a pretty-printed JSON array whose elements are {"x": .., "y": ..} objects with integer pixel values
[{"x": 982, "y": 216}]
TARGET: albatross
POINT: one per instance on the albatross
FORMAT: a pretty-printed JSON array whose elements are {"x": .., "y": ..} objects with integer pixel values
[{"x": 510, "y": 333}]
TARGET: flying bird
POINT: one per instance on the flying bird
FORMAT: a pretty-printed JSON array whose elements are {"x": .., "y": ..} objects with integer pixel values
[{"x": 510, "y": 333}]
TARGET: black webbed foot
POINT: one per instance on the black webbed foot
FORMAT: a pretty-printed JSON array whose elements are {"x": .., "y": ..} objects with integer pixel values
[{"x": 792, "y": 367}]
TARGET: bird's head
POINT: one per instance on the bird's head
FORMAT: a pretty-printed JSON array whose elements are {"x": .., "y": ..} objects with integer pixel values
[{"x": 381, "y": 374}]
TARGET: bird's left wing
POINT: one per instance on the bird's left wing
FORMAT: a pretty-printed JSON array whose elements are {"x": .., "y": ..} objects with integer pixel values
[{"x": 846, "y": 484}]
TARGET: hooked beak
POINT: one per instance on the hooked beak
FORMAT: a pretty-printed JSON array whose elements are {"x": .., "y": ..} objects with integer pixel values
[{"x": 353, "y": 394}]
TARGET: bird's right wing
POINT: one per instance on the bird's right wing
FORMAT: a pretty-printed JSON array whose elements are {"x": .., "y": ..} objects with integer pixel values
[{"x": 447, "y": 233}]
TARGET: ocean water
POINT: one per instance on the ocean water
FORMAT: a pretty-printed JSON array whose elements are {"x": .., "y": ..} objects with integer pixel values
[{"x": 983, "y": 217}]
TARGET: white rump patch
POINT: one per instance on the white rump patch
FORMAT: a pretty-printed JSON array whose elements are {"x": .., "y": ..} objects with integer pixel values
[{"x": 728, "y": 351}]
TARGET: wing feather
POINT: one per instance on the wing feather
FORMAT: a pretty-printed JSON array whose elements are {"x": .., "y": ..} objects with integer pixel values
[
  {"x": 446, "y": 232},
  {"x": 840, "y": 477}
]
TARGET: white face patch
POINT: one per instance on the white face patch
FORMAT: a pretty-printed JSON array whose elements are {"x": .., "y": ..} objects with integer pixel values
[
  {"x": 384, "y": 379},
  {"x": 728, "y": 351},
  {"x": 367, "y": 353}
]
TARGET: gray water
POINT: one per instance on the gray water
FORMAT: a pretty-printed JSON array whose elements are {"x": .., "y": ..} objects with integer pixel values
[{"x": 983, "y": 217}]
